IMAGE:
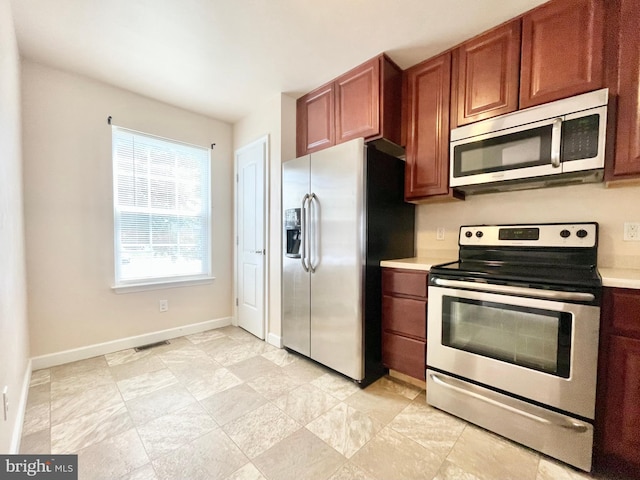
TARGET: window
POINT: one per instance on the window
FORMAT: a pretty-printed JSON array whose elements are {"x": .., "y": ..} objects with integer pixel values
[{"x": 162, "y": 209}]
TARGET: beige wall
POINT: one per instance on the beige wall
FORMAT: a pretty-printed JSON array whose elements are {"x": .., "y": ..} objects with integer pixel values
[
  {"x": 14, "y": 336},
  {"x": 611, "y": 207},
  {"x": 69, "y": 213},
  {"x": 276, "y": 118}
]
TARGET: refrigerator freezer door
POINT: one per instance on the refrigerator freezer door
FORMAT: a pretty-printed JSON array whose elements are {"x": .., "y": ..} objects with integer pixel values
[
  {"x": 295, "y": 280},
  {"x": 336, "y": 234}
]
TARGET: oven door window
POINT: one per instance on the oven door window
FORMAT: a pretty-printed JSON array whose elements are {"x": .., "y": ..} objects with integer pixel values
[
  {"x": 529, "y": 337},
  {"x": 527, "y": 148}
]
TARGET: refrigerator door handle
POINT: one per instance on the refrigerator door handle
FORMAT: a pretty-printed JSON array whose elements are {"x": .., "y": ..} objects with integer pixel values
[
  {"x": 312, "y": 233},
  {"x": 303, "y": 232}
]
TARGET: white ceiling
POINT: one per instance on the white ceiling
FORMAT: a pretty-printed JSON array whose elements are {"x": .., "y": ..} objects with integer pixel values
[{"x": 221, "y": 58}]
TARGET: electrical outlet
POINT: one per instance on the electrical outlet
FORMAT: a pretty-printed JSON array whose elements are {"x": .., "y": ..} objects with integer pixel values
[
  {"x": 164, "y": 305},
  {"x": 5, "y": 403},
  {"x": 632, "y": 231},
  {"x": 440, "y": 233}
]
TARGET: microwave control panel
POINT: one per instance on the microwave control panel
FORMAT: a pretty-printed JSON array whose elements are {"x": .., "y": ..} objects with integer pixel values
[{"x": 580, "y": 138}]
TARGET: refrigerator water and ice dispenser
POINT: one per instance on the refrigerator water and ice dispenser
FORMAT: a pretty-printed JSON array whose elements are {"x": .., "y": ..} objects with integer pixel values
[{"x": 292, "y": 229}]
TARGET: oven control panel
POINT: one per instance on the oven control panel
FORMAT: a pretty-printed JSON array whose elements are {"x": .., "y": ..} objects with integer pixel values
[{"x": 542, "y": 235}]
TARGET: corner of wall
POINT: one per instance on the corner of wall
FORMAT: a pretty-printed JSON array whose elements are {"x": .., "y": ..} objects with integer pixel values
[{"x": 14, "y": 329}]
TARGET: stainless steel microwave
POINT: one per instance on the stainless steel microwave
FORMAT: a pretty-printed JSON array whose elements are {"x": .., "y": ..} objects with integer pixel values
[{"x": 558, "y": 142}]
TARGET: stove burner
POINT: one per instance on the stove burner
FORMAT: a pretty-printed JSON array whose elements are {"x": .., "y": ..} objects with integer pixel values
[
  {"x": 539, "y": 274},
  {"x": 545, "y": 255}
]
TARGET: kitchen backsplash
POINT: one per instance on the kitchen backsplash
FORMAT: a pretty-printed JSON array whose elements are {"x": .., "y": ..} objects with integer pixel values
[{"x": 610, "y": 207}]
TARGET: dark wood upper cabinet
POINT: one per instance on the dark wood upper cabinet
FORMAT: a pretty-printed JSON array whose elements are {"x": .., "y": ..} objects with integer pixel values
[
  {"x": 427, "y": 153},
  {"x": 358, "y": 102},
  {"x": 562, "y": 51},
  {"x": 486, "y": 75},
  {"x": 552, "y": 52},
  {"x": 315, "y": 124},
  {"x": 624, "y": 19},
  {"x": 364, "y": 102}
]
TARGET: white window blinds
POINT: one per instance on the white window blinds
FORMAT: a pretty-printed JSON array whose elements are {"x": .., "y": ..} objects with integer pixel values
[{"x": 161, "y": 209}]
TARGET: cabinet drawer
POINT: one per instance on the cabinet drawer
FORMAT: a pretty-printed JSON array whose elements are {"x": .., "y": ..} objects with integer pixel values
[
  {"x": 404, "y": 355},
  {"x": 405, "y": 315},
  {"x": 405, "y": 282}
]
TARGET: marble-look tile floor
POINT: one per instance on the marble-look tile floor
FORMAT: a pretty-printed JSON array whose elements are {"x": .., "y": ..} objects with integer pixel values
[{"x": 225, "y": 405}]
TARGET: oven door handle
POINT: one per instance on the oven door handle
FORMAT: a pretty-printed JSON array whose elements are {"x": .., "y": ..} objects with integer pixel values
[
  {"x": 571, "y": 425},
  {"x": 508, "y": 289}
]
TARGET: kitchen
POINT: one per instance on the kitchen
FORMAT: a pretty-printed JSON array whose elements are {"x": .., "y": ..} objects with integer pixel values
[
  {"x": 495, "y": 150},
  {"x": 585, "y": 203}
]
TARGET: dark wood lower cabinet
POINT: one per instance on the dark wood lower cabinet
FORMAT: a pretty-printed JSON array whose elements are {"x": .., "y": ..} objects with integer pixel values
[
  {"x": 617, "y": 442},
  {"x": 622, "y": 429},
  {"x": 404, "y": 321}
]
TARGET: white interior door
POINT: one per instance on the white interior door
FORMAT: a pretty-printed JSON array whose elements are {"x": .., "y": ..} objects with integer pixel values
[{"x": 250, "y": 237}]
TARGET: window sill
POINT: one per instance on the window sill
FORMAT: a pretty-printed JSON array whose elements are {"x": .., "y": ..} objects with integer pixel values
[{"x": 143, "y": 287}]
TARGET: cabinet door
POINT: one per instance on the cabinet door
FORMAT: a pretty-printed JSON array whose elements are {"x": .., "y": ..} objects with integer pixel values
[
  {"x": 627, "y": 158},
  {"x": 391, "y": 101},
  {"x": 486, "y": 75},
  {"x": 315, "y": 123},
  {"x": 562, "y": 51},
  {"x": 428, "y": 95},
  {"x": 622, "y": 417},
  {"x": 358, "y": 102},
  {"x": 623, "y": 311}
]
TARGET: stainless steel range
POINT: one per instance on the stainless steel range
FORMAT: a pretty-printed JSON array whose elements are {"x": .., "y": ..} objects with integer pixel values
[{"x": 512, "y": 336}]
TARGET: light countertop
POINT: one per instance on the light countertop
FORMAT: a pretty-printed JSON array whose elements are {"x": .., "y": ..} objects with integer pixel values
[
  {"x": 611, "y": 277},
  {"x": 621, "y": 278},
  {"x": 415, "y": 263}
]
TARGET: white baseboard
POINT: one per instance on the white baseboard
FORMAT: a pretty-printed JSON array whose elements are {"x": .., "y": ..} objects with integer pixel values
[
  {"x": 16, "y": 438},
  {"x": 82, "y": 353},
  {"x": 275, "y": 340}
]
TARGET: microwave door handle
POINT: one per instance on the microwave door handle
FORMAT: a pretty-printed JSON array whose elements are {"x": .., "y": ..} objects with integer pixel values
[{"x": 556, "y": 132}]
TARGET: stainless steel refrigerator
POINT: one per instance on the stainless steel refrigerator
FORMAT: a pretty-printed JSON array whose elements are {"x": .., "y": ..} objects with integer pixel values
[{"x": 343, "y": 212}]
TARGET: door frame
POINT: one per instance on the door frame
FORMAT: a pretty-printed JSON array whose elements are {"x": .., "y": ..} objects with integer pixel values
[{"x": 264, "y": 140}]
